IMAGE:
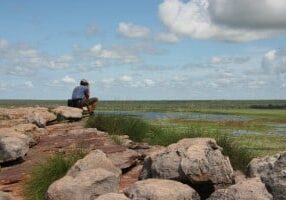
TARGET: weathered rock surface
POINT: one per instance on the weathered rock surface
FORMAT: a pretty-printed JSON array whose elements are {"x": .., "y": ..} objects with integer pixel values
[
  {"x": 95, "y": 159},
  {"x": 30, "y": 130},
  {"x": 158, "y": 189},
  {"x": 112, "y": 196},
  {"x": 197, "y": 161},
  {"x": 272, "y": 171},
  {"x": 13, "y": 145},
  {"x": 5, "y": 196},
  {"x": 125, "y": 159},
  {"x": 86, "y": 185},
  {"x": 68, "y": 112},
  {"x": 40, "y": 116},
  {"x": 252, "y": 189}
]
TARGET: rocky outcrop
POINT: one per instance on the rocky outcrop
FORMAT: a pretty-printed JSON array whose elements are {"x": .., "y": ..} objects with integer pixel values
[
  {"x": 5, "y": 196},
  {"x": 252, "y": 189},
  {"x": 272, "y": 171},
  {"x": 89, "y": 178},
  {"x": 30, "y": 130},
  {"x": 86, "y": 185},
  {"x": 95, "y": 159},
  {"x": 40, "y": 116},
  {"x": 13, "y": 145},
  {"x": 112, "y": 196},
  {"x": 68, "y": 112},
  {"x": 196, "y": 161},
  {"x": 158, "y": 189}
]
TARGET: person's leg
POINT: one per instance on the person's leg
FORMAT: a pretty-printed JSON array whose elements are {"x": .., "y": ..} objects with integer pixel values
[{"x": 92, "y": 104}]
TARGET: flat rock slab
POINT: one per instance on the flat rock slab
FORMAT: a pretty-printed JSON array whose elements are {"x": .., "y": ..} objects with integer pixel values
[{"x": 57, "y": 138}]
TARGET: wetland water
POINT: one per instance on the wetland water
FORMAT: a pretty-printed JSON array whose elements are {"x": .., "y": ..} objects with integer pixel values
[
  {"x": 177, "y": 115},
  {"x": 279, "y": 129}
]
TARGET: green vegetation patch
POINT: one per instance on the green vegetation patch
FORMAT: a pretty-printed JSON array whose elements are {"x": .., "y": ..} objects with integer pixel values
[
  {"x": 44, "y": 174},
  {"x": 142, "y": 130},
  {"x": 135, "y": 128}
]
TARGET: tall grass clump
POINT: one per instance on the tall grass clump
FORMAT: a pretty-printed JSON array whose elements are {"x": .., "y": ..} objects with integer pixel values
[
  {"x": 134, "y": 127},
  {"x": 44, "y": 174}
]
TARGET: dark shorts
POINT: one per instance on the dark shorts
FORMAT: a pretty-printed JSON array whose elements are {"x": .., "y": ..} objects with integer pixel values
[{"x": 80, "y": 103}]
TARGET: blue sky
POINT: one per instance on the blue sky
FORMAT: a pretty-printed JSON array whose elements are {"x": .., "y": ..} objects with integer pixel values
[{"x": 141, "y": 50}]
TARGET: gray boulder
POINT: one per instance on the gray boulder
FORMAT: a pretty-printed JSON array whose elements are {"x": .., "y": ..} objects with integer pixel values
[
  {"x": 196, "y": 161},
  {"x": 159, "y": 189},
  {"x": 68, "y": 112},
  {"x": 95, "y": 159},
  {"x": 112, "y": 196},
  {"x": 86, "y": 185},
  {"x": 13, "y": 145},
  {"x": 252, "y": 189},
  {"x": 40, "y": 116},
  {"x": 272, "y": 171}
]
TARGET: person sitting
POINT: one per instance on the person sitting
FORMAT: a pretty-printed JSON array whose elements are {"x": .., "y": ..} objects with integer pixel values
[{"x": 81, "y": 97}]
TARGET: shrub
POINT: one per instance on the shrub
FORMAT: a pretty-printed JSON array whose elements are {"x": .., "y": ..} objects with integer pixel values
[{"x": 44, "y": 174}]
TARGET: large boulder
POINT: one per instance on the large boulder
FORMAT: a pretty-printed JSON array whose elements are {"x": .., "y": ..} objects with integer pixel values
[
  {"x": 40, "y": 116},
  {"x": 272, "y": 171},
  {"x": 30, "y": 130},
  {"x": 159, "y": 189},
  {"x": 86, "y": 185},
  {"x": 95, "y": 159},
  {"x": 252, "y": 189},
  {"x": 112, "y": 196},
  {"x": 124, "y": 159},
  {"x": 68, "y": 112},
  {"x": 5, "y": 196},
  {"x": 196, "y": 161},
  {"x": 13, "y": 145}
]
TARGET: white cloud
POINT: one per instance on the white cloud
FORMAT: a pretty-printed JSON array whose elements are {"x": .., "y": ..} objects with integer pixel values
[
  {"x": 100, "y": 52},
  {"x": 126, "y": 78},
  {"x": 222, "y": 60},
  {"x": 214, "y": 19},
  {"x": 148, "y": 82},
  {"x": 132, "y": 30},
  {"x": 168, "y": 37},
  {"x": 274, "y": 61},
  {"x": 29, "y": 84},
  {"x": 16, "y": 59},
  {"x": 68, "y": 79}
]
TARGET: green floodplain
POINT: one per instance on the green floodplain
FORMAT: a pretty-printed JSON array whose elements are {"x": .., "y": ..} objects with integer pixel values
[{"x": 259, "y": 126}]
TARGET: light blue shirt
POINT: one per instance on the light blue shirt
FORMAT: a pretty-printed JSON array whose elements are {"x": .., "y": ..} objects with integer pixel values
[{"x": 80, "y": 92}]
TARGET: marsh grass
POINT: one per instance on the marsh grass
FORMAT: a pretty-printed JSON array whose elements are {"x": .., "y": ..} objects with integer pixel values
[
  {"x": 141, "y": 130},
  {"x": 44, "y": 174},
  {"x": 135, "y": 128}
]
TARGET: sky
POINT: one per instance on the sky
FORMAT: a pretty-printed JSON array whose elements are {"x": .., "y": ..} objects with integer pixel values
[{"x": 143, "y": 50}]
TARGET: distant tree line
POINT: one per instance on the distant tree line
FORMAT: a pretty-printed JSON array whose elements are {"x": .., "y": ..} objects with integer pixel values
[{"x": 268, "y": 106}]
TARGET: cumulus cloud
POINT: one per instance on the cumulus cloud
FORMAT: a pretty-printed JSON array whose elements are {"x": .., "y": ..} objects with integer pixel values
[
  {"x": 131, "y": 30},
  {"x": 222, "y": 60},
  {"x": 226, "y": 20},
  {"x": 68, "y": 79},
  {"x": 274, "y": 61},
  {"x": 19, "y": 59},
  {"x": 29, "y": 84}
]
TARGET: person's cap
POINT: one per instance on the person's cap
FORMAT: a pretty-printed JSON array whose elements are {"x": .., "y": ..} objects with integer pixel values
[{"x": 84, "y": 82}]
